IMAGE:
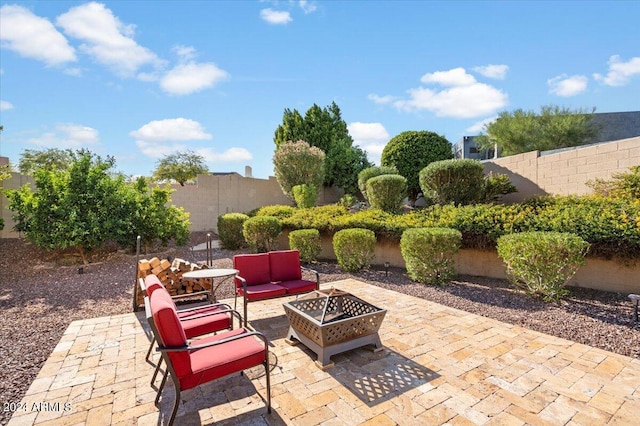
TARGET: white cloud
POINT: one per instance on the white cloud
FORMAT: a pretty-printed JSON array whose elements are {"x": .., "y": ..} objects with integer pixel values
[
  {"x": 381, "y": 99},
  {"x": 478, "y": 127},
  {"x": 172, "y": 129},
  {"x": 33, "y": 37},
  {"x": 470, "y": 101},
  {"x": 566, "y": 86},
  {"x": 186, "y": 53},
  {"x": 4, "y": 105},
  {"x": 372, "y": 137},
  {"x": 275, "y": 17},
  {"x": 307, "y": 7},
  {"x": 620, "y": 72},
  {"x": 68, "y": 135},
  {"x": 453, "y": 77},
  {"x": 192, "y": 77},
  {"x": 156, "y": 150},
  {"x": 107, "y": 39},
  {"x": 498, "y": 72},
  {"x": 231, "y": 155}
]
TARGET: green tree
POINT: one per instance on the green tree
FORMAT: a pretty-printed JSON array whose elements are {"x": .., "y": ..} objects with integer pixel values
[
  {"x": 297, "y": 163},
  {"x": 32, "y": 159},
  {"x": 324, "y": 128},
  {"x": 411, "y": 151},
  {"x": 523, "y": 131},
  {"x": 181, "y": 167}
]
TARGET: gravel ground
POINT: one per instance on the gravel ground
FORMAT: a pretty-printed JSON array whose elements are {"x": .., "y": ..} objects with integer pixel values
[{"x": 39, "y": 298}]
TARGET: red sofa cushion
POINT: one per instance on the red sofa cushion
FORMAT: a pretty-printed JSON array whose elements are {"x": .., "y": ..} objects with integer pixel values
[
  {"x": 285, "y": 265},
  {"x": 199, "y": 325},
  {"x": 263, "y": 291},
  {"x": 298, "y": 286},
  {"x": 254, "y": 268},
  {"x": 218, "y": 361}
]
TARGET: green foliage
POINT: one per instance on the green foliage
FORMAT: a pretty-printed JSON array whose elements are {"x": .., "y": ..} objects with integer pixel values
[
  {"x": 319, "y": 218},
  {"x": 297, "y": 163},
  {"x": 428, "y": 253},
  {"x": 305, "y": 195},
  {"x": 386, "y": 192},
  {"x": 261, "y": 232},
  {"x": 230, "y": 227},
  {"x": 5, "y": 173},
  {"x": 410, "y": 152},
  {"x": 523, "y": 131},
  {"x": 307, "y": 242},
  {"x": 542, "y": 263},
  {"x": 52, "y": 158},
  {"x": 278, "y": 211},
  {"x": 354, "y": 248},
  {"x": 348, "y": 201},
  {"x": 621, "y": 185},
  {"x": 325, "y": 129},
  {"x": 370, "y": 172},
  {"x": 453, "y": 181},
  {"x": 180, "y": 167},
  {"x": 497, "y": 185}
]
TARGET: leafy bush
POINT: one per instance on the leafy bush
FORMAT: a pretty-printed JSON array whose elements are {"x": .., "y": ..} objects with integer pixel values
[
  {"x": 621, "y": 185},
  {"x": 347, "y": 201},
  {"x": 386, "y": 192},
  {"x": 230, "y": 226},
  {"x": 497, "y": 185},
  {"x": 261, "y": 232},
  {"x": 278, "y": 211},
  {"x": 453, "y": 181},
  {"x": 428, "y": 253},
  {"x": 305, "y": 195},
  {"x": 297, "y": 163},
  {"x": 542, "y": 263},
  {"x": 307, "y": 242},
  {"x": 370, "y": 172},
  {"x": 354, "y": 248}
]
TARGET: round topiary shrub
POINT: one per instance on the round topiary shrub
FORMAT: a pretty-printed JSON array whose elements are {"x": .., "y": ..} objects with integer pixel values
[
  {"x": 354, "y": 248},
  {"x": 542, "y": 263},
  {"x": 307, "y": 242},
  {"x": 261, "y": 232},
  {"x": 453, "y": 181},
  {"x": 386, "y": 192},
  {"x": 370, "y": 172},
  {"x": 428, "y": 253},
  {"x": 305, "y": 195},
  {"x": 230, "y": 230}
]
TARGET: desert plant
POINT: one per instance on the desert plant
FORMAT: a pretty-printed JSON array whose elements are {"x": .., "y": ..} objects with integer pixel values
[
  {"x": 354, "y": 248},
  {"x": 230, "y": 227},
  {"x": 428, "y": 253},
  {"x": 370, "y": 172},
  {"x": 261, "y": 232},
  {"x": 297, "y": 163},
  {"x": 347, "y": 201},
  {"x": 621, "y": 185},
  {"x": 307, "y": 242},
  {"x": 496, "y": 185},
  {"x": 386, "y": 192},
  {"x": 305, "y": 195},
  {"x": 542, "y": 263}
]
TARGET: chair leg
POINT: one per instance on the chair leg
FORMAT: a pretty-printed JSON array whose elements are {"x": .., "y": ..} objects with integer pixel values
[
  {"x": 176, "y": 403},
  {"x": 266, "y": 370},
  {"x": 148, "y": 357},
  {"x": 164, "y": 379},
  {"x": 245, "y": 311},
  {"x": 155, "y": 373}
]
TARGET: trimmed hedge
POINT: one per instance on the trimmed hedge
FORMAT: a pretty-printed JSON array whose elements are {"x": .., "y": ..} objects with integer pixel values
[
  {"x": 428, "y": 253},
  {"x": 542, "y": 263},
  {"x": 261, "y": 233},
  {"x": 277, "y": 210},
  {"x": 386, "y": 192},
  {"x": 307, "y": 242},
  {"x": 230, "y": 230},
  {"x": 354, "y": 248},
  {"x": 371, "y": 172},
  {"x": 453, "y": 181},
  {"x": 305, "y": 195}
]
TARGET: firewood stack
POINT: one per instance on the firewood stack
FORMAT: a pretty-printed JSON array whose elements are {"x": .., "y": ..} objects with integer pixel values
[{"x": 170, "y": 274}]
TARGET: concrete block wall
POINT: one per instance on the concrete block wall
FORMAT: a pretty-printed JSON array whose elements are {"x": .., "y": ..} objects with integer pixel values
[{"x": 565, "y": 172}]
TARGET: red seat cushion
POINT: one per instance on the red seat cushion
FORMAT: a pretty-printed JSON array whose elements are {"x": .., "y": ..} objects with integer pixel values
[
  {"x": 254, "y": 268},
  {"x": 170, "y": 331},
  {"x": 263, "y": 291},
  {"x": 205, "y": 325},
  {"x": 218, "y": 361},
  {"x": 285, "y": 265},
  {"x": 298, "y": 286}
]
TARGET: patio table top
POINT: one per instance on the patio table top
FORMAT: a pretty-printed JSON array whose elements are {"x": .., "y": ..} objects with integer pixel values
[{"x": 439, "y": 365}]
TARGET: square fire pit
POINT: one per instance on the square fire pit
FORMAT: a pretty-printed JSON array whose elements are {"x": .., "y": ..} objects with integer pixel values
[{"x": 333, "y": 321}]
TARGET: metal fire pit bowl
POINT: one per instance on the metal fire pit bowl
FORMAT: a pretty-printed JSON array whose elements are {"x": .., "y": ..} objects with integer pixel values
[{"x": 333, "y": 321}]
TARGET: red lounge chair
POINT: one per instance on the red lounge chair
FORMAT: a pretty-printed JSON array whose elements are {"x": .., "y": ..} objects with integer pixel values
[{"x": 204, "y": 360}]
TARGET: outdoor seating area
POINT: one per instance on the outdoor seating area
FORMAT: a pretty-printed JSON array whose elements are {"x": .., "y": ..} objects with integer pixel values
[{"x": 438, "y": 365}]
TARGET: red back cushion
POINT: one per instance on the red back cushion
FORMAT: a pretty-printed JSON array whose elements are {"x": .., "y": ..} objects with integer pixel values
[
  {"x": 170, "y": 331},
  {"x": 252, "y": 267},
  {"x": 285, "y": 265}
]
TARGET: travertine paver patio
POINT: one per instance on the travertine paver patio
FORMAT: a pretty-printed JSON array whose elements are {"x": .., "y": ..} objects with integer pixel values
[{"x": 440, "y": 365}]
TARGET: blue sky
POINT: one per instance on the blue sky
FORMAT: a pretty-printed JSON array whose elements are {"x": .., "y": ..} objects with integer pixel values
[{"x": 140, "y": 79}]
